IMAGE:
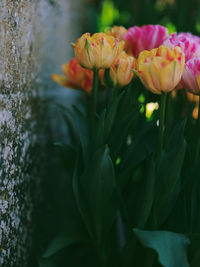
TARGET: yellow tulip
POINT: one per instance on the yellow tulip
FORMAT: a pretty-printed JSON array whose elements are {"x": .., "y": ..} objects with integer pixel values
[
  {"x": 98, "y": 51},
  {"x": 160, "y": 69},
  {"x": 117, "y": 32},
  {"x": 120, "y": 32},
  {"x": 121, "y": 72}
]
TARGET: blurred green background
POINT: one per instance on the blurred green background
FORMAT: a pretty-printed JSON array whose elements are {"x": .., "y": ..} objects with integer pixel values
[{"x": 176, "y": 15}]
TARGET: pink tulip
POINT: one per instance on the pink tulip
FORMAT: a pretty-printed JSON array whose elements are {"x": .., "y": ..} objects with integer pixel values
[
  {"x": 189, "y": 44},
  {"x": 191, "y": 76},
  {"x": 146, "y": 37}
]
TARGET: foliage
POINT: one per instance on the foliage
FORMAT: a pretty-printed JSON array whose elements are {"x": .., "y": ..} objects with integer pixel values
[
  {"x": 121, "y": 197},
  {"x": 132, "y": 175}
]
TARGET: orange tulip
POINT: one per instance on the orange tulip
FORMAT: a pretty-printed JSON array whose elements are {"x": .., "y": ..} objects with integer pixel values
[
  {"x": 75, "y": 76},
  {"x": 161, "y": 68},
  {"x": 98, "y": 51}
]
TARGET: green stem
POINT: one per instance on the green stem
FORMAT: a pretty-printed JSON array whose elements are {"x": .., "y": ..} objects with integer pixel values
[
  {"x": 198, "y": 119},
  {"x": 197, "y": 135},
  {"x": 101, "y": 256},
  {"x": 161, "y": 126},
  {"x": 95, "y": 91}
]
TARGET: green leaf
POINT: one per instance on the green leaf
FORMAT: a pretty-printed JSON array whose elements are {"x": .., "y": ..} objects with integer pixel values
[
  {"x": 171, "y": 247},
  {"x": 168, "y": 183},
  {"x": 60, "y": 242},
  {"x": 142, "y": 146},
  {"x": 98, "y": 136},
  {"x": 146, "y": 194},
  {"x": 82, "y": 126},
  {"x": 67, "y": 115},
  {"x": 68, "y": 155},
  {"x": 139, "y": 136},
  {"x": 64, "y": 240},
  {"x": 111, "y": 114},
  {"x": 80, "y": 197},
  {"x": 95, "y": 190},
  {"x": 119, "y": 136}
]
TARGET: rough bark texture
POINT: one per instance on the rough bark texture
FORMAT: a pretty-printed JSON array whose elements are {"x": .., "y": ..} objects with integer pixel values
[{"x": 33, "y": 43}]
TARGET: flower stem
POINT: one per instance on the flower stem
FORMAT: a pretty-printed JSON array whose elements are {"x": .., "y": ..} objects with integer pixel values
[
  {"x": 197, "y": 136},
  {"x": 95, "y": 91},
  {"x": 198, "y": 119},
  {"x": 161, "y": 126}
]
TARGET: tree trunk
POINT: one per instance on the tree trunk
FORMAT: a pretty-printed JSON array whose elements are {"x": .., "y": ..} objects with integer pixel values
[{"x": 35, "y": 40}]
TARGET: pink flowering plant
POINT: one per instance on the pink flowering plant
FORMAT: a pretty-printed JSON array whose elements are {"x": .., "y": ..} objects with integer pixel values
[
  {"x": 133, "y": 155},
  {"x": 145, "y": 37}
]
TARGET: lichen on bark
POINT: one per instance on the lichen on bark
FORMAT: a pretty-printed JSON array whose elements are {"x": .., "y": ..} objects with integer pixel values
[
  {"x": 17, "y": 130},
  {"x": 35, "y": 38}
]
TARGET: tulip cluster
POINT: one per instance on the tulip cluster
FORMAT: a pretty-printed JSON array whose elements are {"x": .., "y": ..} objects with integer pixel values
[
  {"x": 162, "y": 62},
  {"x": 119, "y": 178},
  {"x": 100, "y": 51}
]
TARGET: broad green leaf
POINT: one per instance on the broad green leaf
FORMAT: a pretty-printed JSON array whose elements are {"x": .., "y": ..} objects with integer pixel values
[
  {"x": 74, "y": 229},
  {"x": 67, "y": 115},
  {"x": 171, "y": 247},
  {"x": 98, "y": 136},
  {"x": 62, "y": 241},
  {"x": 139, "y": 136},
  {"x": 121, "y": 130},
  {"x": 169, "y": 173},
  {"x": 136, "y": 153},
  {"x": 139, "y": 194},
  {"x": 97, "y": 187},
  {"x": 111, "y": 114},
  {"x": 146, "y": 194},
  {"x": 81, "y": 198},
  {"x": 68, "y": 155},
  {"x": 82, "y": 126}
]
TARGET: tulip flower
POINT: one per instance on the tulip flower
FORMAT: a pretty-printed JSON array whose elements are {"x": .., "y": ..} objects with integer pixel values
[
  {"x": 146, "y": 37},
  {"x": 117, "y": 32},
  {"x": 189, "y": 44},
  {"x": 161, "y": 68},
  {"x": 160, "y": 71},
  {"x": 74, "y": 76},
  {"x": 191, "y": 76},
  {"x": 120, "y": 32},
  {"x": 98, "y": 51},
  {"x": 121, "y": 72}
]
